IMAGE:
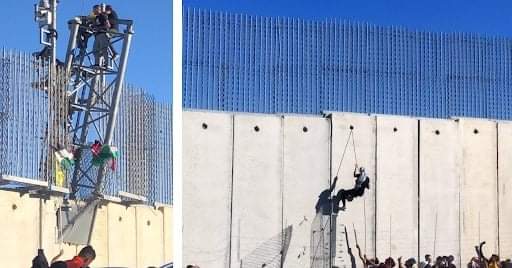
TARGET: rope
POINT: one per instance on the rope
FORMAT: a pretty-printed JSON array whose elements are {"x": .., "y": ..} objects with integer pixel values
[
  {"x": 344, "y": 151},
  {"x": 354, "y": 146},
  {"x": 435, "y": 235},
  {"x": 355, "y": 233}
]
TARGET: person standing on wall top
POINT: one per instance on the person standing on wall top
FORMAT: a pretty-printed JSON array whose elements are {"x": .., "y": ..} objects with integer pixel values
[{"x": 85, "y": 257}]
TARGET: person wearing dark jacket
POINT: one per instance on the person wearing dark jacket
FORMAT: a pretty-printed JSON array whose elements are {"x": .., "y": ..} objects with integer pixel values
[{"x": 113, "y": 20}]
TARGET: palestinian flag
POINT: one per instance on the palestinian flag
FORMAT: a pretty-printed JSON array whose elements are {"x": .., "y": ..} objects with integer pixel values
[
  {"x": 65, "y": 158},
  {"x": 107, "y": 153}
]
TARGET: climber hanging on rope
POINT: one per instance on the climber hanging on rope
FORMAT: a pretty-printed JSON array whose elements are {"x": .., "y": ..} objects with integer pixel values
[
  {"x": 362, "y": 182},
  {"x": 361, "y": 177}
]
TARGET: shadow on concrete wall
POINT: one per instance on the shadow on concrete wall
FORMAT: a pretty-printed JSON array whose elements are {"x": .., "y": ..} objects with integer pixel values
[{"x": 271, "y": 253}]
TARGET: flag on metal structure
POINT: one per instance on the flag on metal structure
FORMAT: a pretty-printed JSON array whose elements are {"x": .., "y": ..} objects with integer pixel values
[
  {"x": 107, "y": 153},
  {"x": 65, "y": 158},
  {"x": 60, "y": 175}
]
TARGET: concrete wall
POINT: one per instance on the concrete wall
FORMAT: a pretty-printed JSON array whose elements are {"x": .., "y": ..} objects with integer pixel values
[
  {"x": 306, "y": 174},
  {"x": 207, "y": 161},
  {"x": 359, "y": 216},
  {"x": 257, "y": 190},
  {"x": 116, "y": 238},
  {"x": 440, "y": 172},
  {"x": 397, "y": 187},
  {"x": 479, "y": 198},
  {"x": 437, "y": 186},
  {"x": 505, "y": 188}
]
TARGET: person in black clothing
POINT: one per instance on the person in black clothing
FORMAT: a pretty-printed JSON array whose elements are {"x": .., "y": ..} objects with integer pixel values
[
  {"x": 113, "y": 20},
  {"x": 83, "y": 31},
  {"x": 358, "y": 191},
  {"x": 40, "y": 260},
  {"x": 101, "y": 40},
  {"x": 324, "y": 203}
]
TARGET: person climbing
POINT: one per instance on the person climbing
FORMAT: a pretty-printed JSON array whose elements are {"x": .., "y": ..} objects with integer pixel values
[
  {"x": 85, "y": 257},
  {"x": 361, "y": 177},
  {"x": 358, "y": 190},
  {"x": 323, "y": 204}
]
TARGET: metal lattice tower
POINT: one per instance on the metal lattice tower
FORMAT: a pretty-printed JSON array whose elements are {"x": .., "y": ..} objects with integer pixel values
[{"x": 96, "y": 79}]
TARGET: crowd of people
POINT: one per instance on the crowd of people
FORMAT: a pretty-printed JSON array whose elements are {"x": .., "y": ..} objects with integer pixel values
[{"x": 478, "y": 261}]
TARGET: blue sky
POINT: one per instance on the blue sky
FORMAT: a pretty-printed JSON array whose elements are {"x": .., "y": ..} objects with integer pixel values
[
  {"x": 149, "y": 65},
  {"x": 150, "y": 61},
  {"x": 492, "y": 18}
]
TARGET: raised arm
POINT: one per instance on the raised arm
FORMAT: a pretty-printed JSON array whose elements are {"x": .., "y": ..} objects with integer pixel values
[
  {"x": 481, "y": 253},
  {"x": 57, "y": 257}
]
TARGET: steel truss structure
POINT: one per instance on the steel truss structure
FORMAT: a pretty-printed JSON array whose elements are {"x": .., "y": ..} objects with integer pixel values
[{"x": 94, "y": 91}]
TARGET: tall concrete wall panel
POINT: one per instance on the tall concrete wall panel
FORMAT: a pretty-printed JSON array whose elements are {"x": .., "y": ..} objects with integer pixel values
[
  {"x": 257, "y": 191},
  {"x": 149, "y": 232},
  {"x": 99, "y": 233},
  {"x": 167, "y": 229},
  {"x": 397, "y": 187},
  {"x": 306, "y": 175},
  {"x": 359, "y": 217},
  {"x": 120, "y": 237},
  {"x": 19, "y": 229},
  {"x": 479, "y": 215},
  {"x": 440, "y": 171},
  {"x": 207, "y": 169},
  {"x": 505, "y": 188},
  {"x": 122, "y": 248}
]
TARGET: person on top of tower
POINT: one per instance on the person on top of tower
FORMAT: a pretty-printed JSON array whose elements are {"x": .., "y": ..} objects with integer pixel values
[
  {"x": 113, "y": 20},
  {"x": 101, "y": 40}
]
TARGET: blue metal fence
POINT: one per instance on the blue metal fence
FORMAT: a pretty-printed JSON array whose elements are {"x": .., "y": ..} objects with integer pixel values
[
  {"x": 244, "y": 63},
  {"x": 34, "y": 122}
]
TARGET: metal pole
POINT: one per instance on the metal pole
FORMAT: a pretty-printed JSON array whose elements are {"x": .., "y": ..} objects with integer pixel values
[
  {"x": 40, "y": 223},
  {"x": 114, "y": 108},
  {"x": 54, "y": 34},
  {"x": 435, "y": 235},
  {"x": 74, "y": 24}
]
